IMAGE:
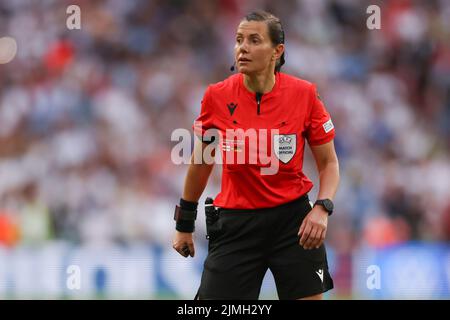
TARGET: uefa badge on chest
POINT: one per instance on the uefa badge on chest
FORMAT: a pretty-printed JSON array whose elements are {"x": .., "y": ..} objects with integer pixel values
[{"x": 285, "y": 146}]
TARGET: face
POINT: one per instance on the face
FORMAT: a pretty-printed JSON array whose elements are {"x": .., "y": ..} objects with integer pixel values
[{"x": 254, "y": 51}]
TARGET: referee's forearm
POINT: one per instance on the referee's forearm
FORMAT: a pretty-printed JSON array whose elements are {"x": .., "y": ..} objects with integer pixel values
[
  {"x": 329, "y": 180},
  {"x": 196, "y": 180}
]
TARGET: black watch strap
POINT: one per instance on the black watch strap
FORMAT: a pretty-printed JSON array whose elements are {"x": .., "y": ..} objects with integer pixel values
[{"x": 327, "y": 204}]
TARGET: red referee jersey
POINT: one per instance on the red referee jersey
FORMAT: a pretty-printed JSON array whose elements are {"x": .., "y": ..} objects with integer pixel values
[{"x": 293, "y": 110}]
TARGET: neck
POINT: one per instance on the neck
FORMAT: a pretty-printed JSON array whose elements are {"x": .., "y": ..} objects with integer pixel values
[{"x": 260, "y": 82}]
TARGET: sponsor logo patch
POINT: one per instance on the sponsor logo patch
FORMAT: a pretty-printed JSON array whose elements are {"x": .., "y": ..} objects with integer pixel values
[{"x": 328, "y": 126}]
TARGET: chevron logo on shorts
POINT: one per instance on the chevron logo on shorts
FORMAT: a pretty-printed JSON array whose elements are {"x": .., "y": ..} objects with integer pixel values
[{"x": 320, "y": 274}]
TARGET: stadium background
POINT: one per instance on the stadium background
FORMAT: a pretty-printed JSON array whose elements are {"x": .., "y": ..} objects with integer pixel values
[{"x": 86, "y": 118}]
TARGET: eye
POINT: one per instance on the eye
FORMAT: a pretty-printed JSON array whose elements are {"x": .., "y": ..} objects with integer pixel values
[
  {"x": 239, "y": 40},
  {"x": 255, "y": 40}
]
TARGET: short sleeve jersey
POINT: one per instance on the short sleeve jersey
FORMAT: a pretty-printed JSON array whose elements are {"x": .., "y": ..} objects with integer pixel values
[{"x": 263, "y": 132}]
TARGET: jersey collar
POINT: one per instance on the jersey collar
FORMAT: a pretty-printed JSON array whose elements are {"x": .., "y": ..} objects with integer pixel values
[{"x": 271, "y": 93}]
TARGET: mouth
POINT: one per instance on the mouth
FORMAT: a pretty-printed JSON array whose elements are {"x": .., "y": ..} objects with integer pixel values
[{"x": 243, "y": 60}]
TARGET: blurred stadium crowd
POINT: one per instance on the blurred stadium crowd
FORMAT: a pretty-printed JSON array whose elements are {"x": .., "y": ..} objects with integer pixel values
[{"x": 86, "y": 115}]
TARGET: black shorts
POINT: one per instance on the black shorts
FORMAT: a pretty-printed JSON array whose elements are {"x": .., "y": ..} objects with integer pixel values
[{"x": 243, "y": 244}]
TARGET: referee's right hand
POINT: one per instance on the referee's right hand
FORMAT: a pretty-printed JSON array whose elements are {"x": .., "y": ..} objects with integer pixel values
[{"x": 183, "y": 243}]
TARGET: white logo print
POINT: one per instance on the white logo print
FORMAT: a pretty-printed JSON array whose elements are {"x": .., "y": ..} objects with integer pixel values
[
  {"x": 328, "y": 126},
  {"x": 320, "y": 274}
]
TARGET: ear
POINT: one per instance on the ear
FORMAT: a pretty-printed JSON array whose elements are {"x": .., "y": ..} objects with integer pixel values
[{"x": 279, "y": 49}]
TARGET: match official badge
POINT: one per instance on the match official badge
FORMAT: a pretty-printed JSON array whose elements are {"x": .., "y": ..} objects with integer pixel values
[{"x": 285, "y": 146}]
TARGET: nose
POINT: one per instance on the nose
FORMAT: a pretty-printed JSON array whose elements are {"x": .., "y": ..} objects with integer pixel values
[{"x": 243, "y": 47}]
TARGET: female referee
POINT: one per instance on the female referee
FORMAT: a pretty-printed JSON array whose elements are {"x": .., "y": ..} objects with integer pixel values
[{"x": 264, "y": 221}]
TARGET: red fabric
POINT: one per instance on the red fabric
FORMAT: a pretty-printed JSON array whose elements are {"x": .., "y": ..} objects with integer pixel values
[
  {"x": 293, "y": 108},
  {"x": 8, "y": 231},
  {"x": 59, "y": 55}
]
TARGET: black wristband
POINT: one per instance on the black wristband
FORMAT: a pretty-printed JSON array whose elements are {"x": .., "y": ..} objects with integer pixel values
[
  {"x": 186, "y": 225},
  {"x": 188, "y": 205}
]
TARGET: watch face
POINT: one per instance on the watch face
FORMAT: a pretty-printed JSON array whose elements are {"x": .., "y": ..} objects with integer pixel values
[{"x": 328, "y": 205}]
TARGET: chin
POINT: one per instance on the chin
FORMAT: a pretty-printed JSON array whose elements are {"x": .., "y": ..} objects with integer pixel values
[{"x": 245, "y": 70}]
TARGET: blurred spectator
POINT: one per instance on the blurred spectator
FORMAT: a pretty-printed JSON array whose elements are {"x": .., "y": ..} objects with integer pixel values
[
  {"x": 9, "y": 234},
  {"x": 34, "y": 217}
]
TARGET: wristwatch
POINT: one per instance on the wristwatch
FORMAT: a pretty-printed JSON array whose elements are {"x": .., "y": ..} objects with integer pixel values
[{"x": 327, "y": 204}]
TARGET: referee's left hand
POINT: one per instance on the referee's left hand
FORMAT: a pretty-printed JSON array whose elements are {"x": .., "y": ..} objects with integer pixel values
[{"x": 313, "y": 229}]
